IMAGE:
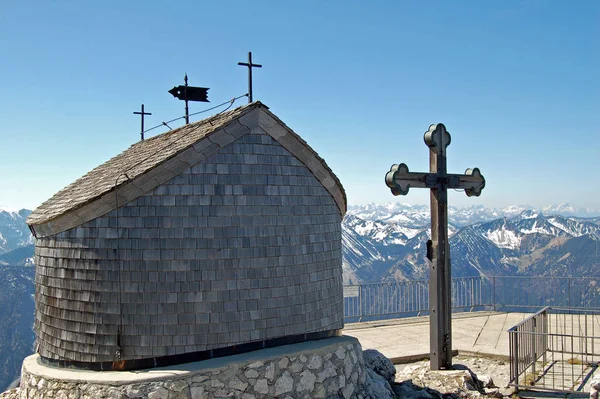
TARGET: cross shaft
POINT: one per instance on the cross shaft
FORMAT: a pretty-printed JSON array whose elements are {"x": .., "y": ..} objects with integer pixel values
[
  {"x": 399, "y": 179},
  {"x": 250, "y": 65},
  {"x": 142, "y": 114}
]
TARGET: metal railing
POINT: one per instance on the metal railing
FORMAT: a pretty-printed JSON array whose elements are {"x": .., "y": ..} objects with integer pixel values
[
  {"x": 410, "y": 298},
  {"x": 524, "y": 294},
  {"x": 530, "y": 293},
  {"x": 527, "y": 344},
  {"x": 555, "y": 350}
]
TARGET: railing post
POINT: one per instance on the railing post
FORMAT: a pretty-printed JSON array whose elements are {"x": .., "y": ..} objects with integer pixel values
[
  {"x": 585, "y": 337},
  {"x": 533, "y": 351},
  {"x": 514, "y": 357},
  {"x": 472, "y": 293},
  {"x": 545, "y": 335},
  {"x": 569, "y": 292},
  {"x": 494, "y": 293},
  {"x": 360, "y": 305}
]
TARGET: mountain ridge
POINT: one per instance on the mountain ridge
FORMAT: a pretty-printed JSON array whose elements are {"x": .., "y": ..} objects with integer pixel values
[{"x": 483, "y": 242}]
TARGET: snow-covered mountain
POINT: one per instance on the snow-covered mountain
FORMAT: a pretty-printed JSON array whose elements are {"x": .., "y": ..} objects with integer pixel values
[
  {"x": 568, "y": 209},
  {"x": 14, "y": 232},
  {"x": 387, "y": 242}
]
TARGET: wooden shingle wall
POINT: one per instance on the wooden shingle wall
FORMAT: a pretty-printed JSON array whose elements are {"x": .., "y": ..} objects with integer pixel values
[{"x": 241, "y": 247}]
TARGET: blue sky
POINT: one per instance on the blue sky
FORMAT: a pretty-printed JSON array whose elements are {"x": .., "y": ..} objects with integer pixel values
[{"x": 517, "y": 84}]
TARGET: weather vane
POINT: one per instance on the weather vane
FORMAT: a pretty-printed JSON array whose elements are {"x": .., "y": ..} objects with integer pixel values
[
  {"x": 189, "y": 93},
  {"x": 250, "y": 65}
]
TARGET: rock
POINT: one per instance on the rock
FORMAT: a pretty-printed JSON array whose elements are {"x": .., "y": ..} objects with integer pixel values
[
  {"x": 326, "y": 373},
  {"x": 197, "y": 393},
  {"x": 251, "y": 373},
  {"x": 284, "y": 384},
  {"x": 315, "y": 362},
  {"x": 199, "y": 378},
  {"x": 409, "y": 390},
  {"x": 594, "y": 388},
  {"x": 487, "y": 381},
  {"x": 376, "y": 387},
  {"x": 307, "y": 382},
  {"x": 270, "y": 371},
  {"x": 114, "y": 393},
  {"x": 237, "y": 384},
  {"x": 445, "y": 381},
  {"x": 283, "y": 363},
  {"x": 340, "y": 353},
  {"x": 354, "y": 378},
  {"x": 319, "y": 391},
  {"x": 62, "y": 394},
  {"x": 177, "y": 386},
  {"x": 296, "y": 367},
  {"x": 216, "y": 384},
  {"x": 493, "y": 392},
  {"x": 354, "y": 358},
  {"x": 160, "y": 393},
  {"x": 595, "y": 384},
  {"x": 348, "y": 390},
  {"x": 348, "y": 367},
  {"x": 134, "y": 391},
  {"x": 262, "y": 386},
  {"x": 331, "y": 386},
  {"x": 380, "y": 364}
]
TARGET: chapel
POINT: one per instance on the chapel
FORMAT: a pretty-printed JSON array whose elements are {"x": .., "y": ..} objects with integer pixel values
[{"x": 215, "y": 238}]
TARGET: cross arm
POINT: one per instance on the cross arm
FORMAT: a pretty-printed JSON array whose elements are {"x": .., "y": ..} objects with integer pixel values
[
  {"x": 400, "y": 180},
  {"x": 472, "y": 182},
  {"x": 250, "y": 65}
]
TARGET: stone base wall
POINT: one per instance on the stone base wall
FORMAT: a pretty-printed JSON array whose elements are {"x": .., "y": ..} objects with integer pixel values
[{"x": 329, "y": 368}]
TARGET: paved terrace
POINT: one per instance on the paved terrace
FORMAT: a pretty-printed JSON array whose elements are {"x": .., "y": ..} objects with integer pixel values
[{"x": 477, "y": 332}]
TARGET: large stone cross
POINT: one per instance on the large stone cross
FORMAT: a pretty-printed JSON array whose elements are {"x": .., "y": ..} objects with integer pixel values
[{"x": 399, "y": 179}]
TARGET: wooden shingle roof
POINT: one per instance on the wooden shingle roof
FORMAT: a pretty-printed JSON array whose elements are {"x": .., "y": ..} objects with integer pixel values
[{"x": 152, "y": 162}]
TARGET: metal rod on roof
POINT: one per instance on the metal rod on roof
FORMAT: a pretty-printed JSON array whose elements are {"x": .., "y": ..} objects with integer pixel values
[{"x": 187, "y": 110}]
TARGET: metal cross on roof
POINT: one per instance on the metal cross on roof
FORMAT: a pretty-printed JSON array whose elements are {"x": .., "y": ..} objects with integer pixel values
[
  {"x": 250, "y": 65},
  {"x": 142, "y": 114},
  {"x": 399, "y": 179}
]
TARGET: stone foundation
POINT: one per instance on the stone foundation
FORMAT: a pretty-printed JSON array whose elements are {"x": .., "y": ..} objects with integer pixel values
[{"x": 332, "y": 367}]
